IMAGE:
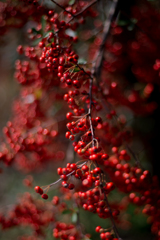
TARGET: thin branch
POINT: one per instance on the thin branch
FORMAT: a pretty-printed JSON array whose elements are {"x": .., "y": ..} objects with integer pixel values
[
  {"x": 76, "y": 14},
  {"x": 108, "y": 205},
  {"x": 83, "y": 9},
  {"x": 134, "y": 156},
  {"x": 69, "y": 174},
  {"x": 93, "y": 138},
  {"x": 96, "y": 68},
  {"x": 59, "y": 5},
  {"x": 111, "y": 217},
  {"x": 107, "y": 25}
]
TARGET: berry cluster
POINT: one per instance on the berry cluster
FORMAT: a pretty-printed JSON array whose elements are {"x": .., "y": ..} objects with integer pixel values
[
  {"x": 55, "y": 83},
  {"x": 15, "y": 14},
  {"x": 29, "y": 212},
  {"x": 66, "y": 231}
]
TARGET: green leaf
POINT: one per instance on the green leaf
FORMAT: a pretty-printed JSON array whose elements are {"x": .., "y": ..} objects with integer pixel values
[
  {"x": 86, "y": 238},
  {"x": 74, "y": 217},
  {"x": 134, "y": 20},
  {"x": 43, "y": 23},
  {"x": 123, "y": 22},
  {"x": 76, "y": 209},
  {"x": 67, "y": 211},
  {"x": 131, "y": 27},
  {"x": 82, "y": 61},
  {"x": 35, "y": 31},
  {"x": 71, "y": 2},
  {"x": 71, "y": 33},
  {"x": 38, "y": 93},
  {"x": 76, "y": 69},
  {"x": 36, "y": 41},
  {"x": 47, "y": 34}
]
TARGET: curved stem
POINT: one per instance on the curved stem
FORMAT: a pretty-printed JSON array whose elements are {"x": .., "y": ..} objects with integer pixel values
[
  {"x": 106, "y": 30},
  {"x": 59, "y": 5},
  {"x": 69, "y": 174}
]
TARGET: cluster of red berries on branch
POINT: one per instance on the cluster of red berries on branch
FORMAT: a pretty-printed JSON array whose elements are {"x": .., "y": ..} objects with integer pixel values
[
  {"x": 29, "y": 212},
  {"x": 62, "y": 98},
  {"x": 16, "y": 14}
]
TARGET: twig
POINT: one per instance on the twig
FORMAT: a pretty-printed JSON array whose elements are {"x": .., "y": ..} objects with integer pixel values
[
  {"x": 108, "y": 205},
  {"x": 96, "y": 68},
  {"x": 83, "y": 9},
  {"x": 95, "y": 72},
  {"x": 59, "y": 5},
  {"x": 76, "y": 14},
  {"x": 111, "y": 217},
  {"x": 107, "y": 25},
  {"x": 134, "y": 156},
  {"x": 69, "y": 174}
]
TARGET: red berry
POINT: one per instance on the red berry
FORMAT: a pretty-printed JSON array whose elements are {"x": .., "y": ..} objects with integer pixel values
[
  {"x": 64, "y": 184},
  {"x": 59, "y": 171},
  {"x": 71, "y": 186},
  {"x": 110, "y": 186},
  {"x": 71, "y": 137},
  {"x": 44, "y": 196},
  {"x": 94, "y": 157},
  {"x": 97, "y": 170},
  {"x": 38, "y": 190},
  {"x": 98, "y": 228},
  {"x": 69, "y": 115},
  {"x": 61, "y": 60},
  {"x": 68, "y": 134},
  {"x": 102, "y": 236},
  {"x": 105, "y": 156},
  {"x": 55, "y": 200}
]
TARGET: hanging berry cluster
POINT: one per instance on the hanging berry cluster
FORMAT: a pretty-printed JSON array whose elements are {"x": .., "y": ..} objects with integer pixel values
[{"x": 55, "y": 83}]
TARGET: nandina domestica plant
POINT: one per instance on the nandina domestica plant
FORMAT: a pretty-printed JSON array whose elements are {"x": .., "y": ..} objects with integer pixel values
[{"x": 88, "y": 71}]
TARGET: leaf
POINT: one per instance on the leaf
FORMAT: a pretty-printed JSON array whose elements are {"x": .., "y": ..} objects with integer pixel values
[
  {"x": 71, "y": 33},
  {"x": 74, "y": 217},
  {"x": 131, "y": 27},
  {"x": 82, "y": 61},
  {"x": 38, "y": 93},
  {"x": 35, "y": 31},
  {"x": 67, "y": 211},
  {"x": 47, "y": 34},
  {"x": 86, "y": 238},
  {"x": 48, "y": 45},
  {"x": 76, "y": 69},
  {"x": 43, "y": 23},
  {"x": 76, "y": 209},
  {"x": 36, "y": 41},
  {"x": 134, "y": 20},
  {"x": 123, "y": 22},
  {"x": 71, "y": 2}
]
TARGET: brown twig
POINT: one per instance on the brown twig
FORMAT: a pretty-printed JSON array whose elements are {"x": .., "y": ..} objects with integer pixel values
[
  {"x": 134, "y": 156},
  {"x": 111, "y": 217},
  {"x": 76, "y": 14},
  {"x": 95, "y": 72},
  {"x": 69, "y": 174},
  {"x": 59, "y": 5},
  {"x": 108, "y": 205},
  {"x": 85, "y": 8},
  {"x": 107, "y": 25},
  {"x": 93, "y": 144}
]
